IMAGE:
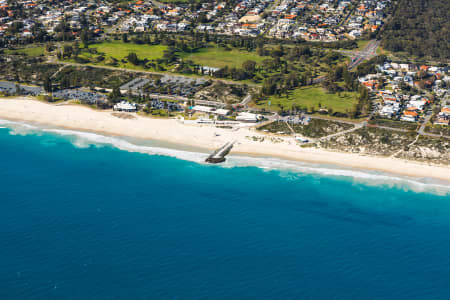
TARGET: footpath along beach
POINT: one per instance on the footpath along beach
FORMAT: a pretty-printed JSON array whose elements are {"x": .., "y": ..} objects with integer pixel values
[{"x": 248, "y": 140}]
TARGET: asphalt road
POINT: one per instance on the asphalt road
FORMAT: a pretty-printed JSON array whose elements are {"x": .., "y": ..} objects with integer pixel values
[{"x": 368, "y": 52}]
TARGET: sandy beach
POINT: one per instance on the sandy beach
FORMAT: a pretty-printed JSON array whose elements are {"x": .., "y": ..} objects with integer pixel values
[{"x": 248, "y": 140}]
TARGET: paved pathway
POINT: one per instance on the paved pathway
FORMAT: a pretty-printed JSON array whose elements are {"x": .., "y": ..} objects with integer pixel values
[
  {"x": 246, "y": 100},
  {"x": 59, "y": 70},
  {"x": 425, "y": 122},
  {"x": 357, "y": 126}
]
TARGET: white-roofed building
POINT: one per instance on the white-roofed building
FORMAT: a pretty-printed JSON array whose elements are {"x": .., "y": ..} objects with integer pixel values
[
  {"x": 211, "y": 110},
  {"x": 248, "y": 117},
  {"x": 125, "y": 106}
]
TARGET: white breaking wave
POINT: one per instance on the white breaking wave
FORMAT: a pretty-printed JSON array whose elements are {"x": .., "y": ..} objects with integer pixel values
[
  {"x": 295, "y": 169},
  {"x": 86, "y": 139},
  {"x": 364, "y": 176},
  {"x": 19, "y": 128}
]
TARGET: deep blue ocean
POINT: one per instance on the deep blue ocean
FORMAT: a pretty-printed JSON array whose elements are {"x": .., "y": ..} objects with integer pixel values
[{"x": 83, "y": 221}]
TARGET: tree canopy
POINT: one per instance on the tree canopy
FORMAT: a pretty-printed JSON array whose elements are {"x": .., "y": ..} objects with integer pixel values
[{"x": 420, "y": 28}]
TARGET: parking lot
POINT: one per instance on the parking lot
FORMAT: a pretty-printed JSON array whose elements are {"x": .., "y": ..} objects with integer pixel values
[{"x": 8, "y": 87}]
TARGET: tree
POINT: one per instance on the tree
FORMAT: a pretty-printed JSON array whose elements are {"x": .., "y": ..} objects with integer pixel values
[
  {"x": 49, "y": 47},
  {"x": 249, "y": 66},
  {"x": 269, "y": 87},
  {"x": 18, "y": 89},
  {"x": 85, "y": 39},
  {"x": 48, "y": 84},
  {"x": 348, "y": 80},
  {"x": 238, "y": 74},
  {"x": 260, "y": 51},
  {"x": 115, "y": 95},
  {"x": 132, "y": 58},
  {"x": 76, "y": 49},
  {"x": 67, "y": 51},
  {"x": 364, "y": 94},
  {"x": 169, "y": 54},
  {"x": 406, "y": 30},
  {"x": 381, "y": 82},
  {"x": 65, "y": 82}
]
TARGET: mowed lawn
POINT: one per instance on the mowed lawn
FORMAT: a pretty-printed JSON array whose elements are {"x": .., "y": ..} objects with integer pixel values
[
  {"x": 219, "y": 58},
  {"x": 120, "y": 50},
  {"x": 31, "y": 51},
  {"x": 310, "y": 97}
]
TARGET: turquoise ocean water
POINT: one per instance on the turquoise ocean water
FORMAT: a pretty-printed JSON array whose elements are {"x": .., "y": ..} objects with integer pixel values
[{"x": 83, "y": 216}]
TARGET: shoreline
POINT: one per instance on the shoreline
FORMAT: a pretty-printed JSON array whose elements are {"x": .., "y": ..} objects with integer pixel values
[{"x": 248, "y": 141}]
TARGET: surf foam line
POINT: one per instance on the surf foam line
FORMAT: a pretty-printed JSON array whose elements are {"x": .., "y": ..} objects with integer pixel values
[
  {"x": 287, "y": 168},
  {"x": 85, "y": 139},
  {"x": 295, "y": 169},
  {"x": 19, "y": 128}
]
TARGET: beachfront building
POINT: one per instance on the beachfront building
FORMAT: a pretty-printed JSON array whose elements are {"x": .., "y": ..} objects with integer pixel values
[
  {"x": 125, "y": 106},
  {"x": 210, "y": 110},
  {"x": 248, "y": 117}
]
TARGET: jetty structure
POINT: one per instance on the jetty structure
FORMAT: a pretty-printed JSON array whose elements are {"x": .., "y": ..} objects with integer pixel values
[{"x": 218, "y": 156}]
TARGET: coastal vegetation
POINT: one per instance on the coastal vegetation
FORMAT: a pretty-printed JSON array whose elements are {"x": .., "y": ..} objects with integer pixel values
[
  {"x": 316, "y": 128},
  {"x": 225, "y": 92},
  {"x": 393, "y": 123},
  {"x": 278, "y": 127},
  {"x": 24, "y": 69},
  {"x": 428, "y": 149},
  {"x": 369, "y": 140},
  {"x": 438, "y": 129},
  {"x": 81, "y": 76}
]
